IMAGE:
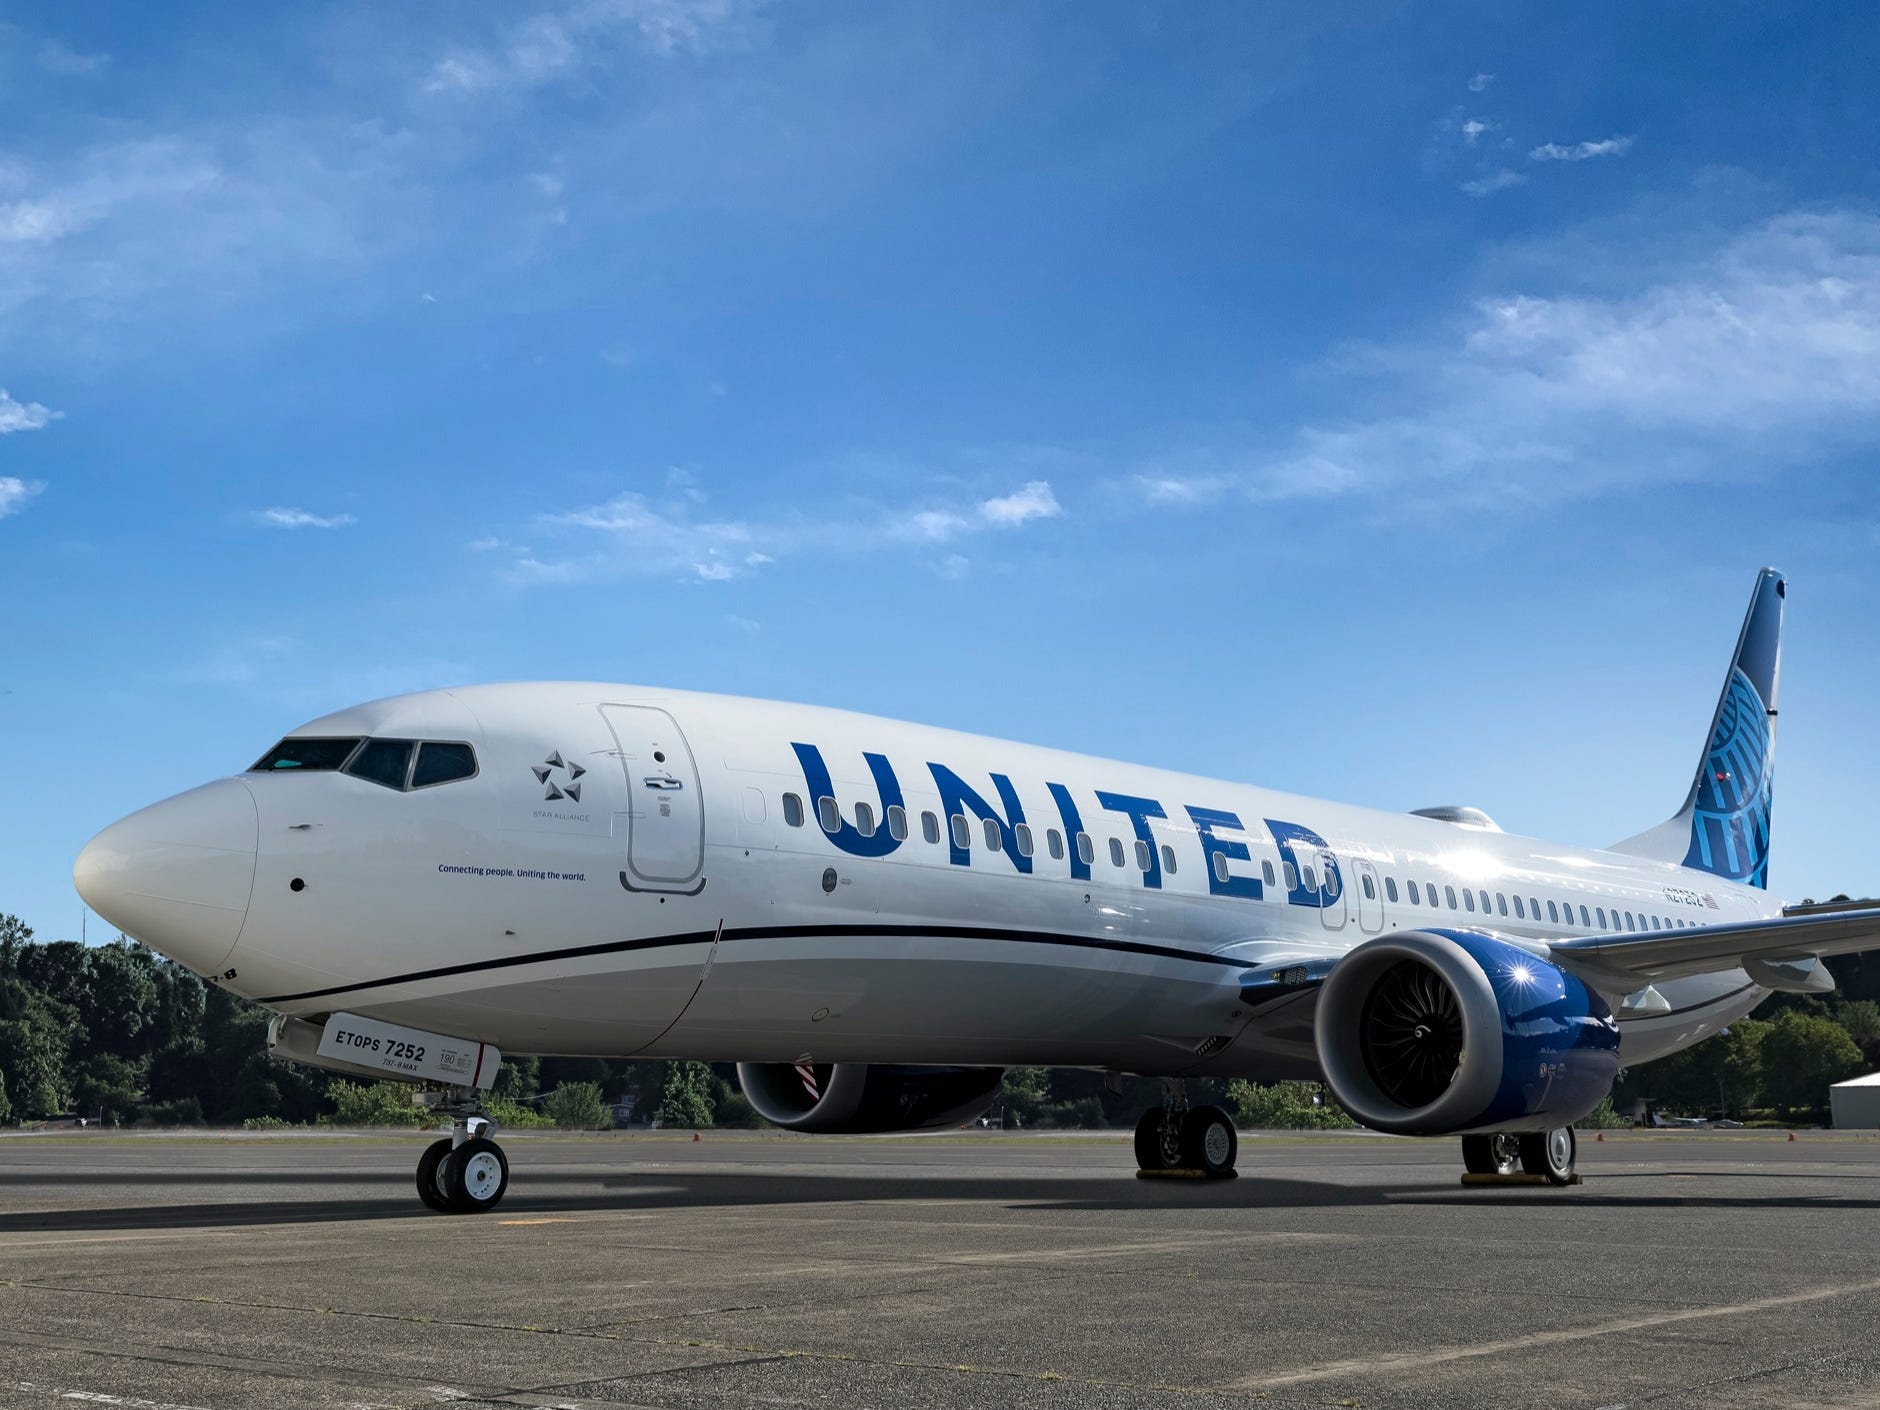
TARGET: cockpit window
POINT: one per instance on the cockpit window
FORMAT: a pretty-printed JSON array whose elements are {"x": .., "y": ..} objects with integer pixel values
[
  {"x": 443, "y": 763},
  {"x": 383, "y": 761},
  {"x": 306, "y": 756}
]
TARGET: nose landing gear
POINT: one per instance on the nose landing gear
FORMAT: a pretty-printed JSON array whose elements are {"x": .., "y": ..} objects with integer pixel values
[{"x": 466, "y": 1172}]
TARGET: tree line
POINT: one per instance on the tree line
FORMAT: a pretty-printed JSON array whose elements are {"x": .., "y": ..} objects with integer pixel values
[{"x": 117, "y": 1034}]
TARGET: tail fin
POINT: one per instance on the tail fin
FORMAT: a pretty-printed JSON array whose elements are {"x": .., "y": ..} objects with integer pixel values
[{"x": 1723, "y": 827}]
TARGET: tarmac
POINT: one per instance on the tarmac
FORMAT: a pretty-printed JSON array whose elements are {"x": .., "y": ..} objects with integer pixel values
[{"x": 965, "y": 1270}]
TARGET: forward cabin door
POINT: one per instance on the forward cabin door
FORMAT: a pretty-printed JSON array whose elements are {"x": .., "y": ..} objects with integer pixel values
[
  {"x": 1331, "y": 892},
  {"x": 665, "y": 818}
]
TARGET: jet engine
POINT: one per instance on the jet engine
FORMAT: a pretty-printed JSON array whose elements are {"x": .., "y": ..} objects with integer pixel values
[
  {"x": 858, "y": 1097},
  {"x": 1447, "y": 1032}
]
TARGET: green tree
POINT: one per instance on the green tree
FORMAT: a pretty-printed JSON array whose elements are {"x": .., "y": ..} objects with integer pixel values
[
  {"x": 380, "y": 1104},
  {"x": 1286, "y": 1106},
  {"x": 1803, "y": 1055},
  {"x": 1861, "y": 1019},
  {"x": 107, "y": 1087},
  {"x": 1024, "y": 1091},
  {"x": 687, "y": 1098},
  {"x": 14, "y": 934},
  {"x": 577, "y": 1106},
  {"x": 36, "y": 1036}
]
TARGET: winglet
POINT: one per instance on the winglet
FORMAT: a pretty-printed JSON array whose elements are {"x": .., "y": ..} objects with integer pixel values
[{"x": 1723, "y": 827}]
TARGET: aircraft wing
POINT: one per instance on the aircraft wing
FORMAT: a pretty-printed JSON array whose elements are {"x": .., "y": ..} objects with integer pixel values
[{"x": 1779, "y": 953}]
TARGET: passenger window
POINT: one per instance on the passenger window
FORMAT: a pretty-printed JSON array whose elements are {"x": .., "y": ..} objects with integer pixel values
[
  {"x": 1534, "y": 905},
  {"x": 1116, "y": 851},
  {"x": 1600, "y": 913},
  {"x": 1450, "y": 892},
  {"x": 1468, "y": 899},
  {"x": 1519, "y": 914},
  {"x": 1584, "y": 920},
  {"x": 1411, "y": 887},
  {"x": 306, "y": 756},
  {"x": 1312, "y": 878},
  {"x": 864, "y": 820},
  {"x": 828, "y": 814},
  {"x": 897, "y": 822},
  {"x": 1292, "y": 876},
  {"x": 383, "y": 761},
  {"x": 962, "y": 832},
  {"x": 1553, "y": 913},
  {"x": 1168, "y": 859},
  {"x": 1484, "y": 896},
  {"x": 1220, "y": 867},
  {"x": 1144, "y": 860},
  {"x": 443, "y": 763},
  {"x": 1086, "y": 849},
  {"x": 1370, "y": 891},
  {"x": 1022, "y": 835},
  {"x": 930, "y": 827},
  {"x": 1501, "y": 904},
  {"x": 792, "y": 810},
  {"x": 1266, "y": 870},
  {"x": 995, "y": 835},
  {"x": 1054, "y": 841},
  {"x": 1628, "y": 921},
  {"x": 1390, "y": 888}
]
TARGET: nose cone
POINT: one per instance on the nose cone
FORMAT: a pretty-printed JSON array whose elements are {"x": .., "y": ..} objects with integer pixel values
[{"x": 177, "y": 875}]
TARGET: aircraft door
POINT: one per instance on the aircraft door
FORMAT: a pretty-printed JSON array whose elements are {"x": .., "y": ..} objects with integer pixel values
[
  {"x": 1370, "y": 898},
  {"x": 665, "y": 817},
  {"x": 1331, "y": 892}
]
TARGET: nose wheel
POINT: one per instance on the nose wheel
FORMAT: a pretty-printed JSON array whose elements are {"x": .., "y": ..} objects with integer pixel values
[{"x": 463, "y": 1173}]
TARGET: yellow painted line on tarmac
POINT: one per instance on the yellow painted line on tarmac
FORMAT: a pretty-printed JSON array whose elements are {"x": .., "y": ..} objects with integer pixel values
[{"x": 528, "y": 1223}]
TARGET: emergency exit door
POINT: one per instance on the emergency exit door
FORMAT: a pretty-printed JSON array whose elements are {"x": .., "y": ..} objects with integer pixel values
[{"x": 665, "y": 817}]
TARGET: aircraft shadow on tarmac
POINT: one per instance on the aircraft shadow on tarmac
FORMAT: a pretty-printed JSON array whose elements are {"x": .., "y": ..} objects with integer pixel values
[{"x": 554, "y": 1194}]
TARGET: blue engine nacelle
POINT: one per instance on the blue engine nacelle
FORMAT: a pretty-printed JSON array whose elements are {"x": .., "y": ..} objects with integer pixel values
[
  {"x": 861, "y": 1097},
  {"x": 1448, "y": 1032}
]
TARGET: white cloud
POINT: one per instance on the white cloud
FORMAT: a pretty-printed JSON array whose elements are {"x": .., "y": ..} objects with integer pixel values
[
  {"x": 674, "y": 537},
  {"x": 24, "y": 415},
  {"x": 1495, "y": 181},
  {"x": 284, "y": 518},
  {"x": 1034, "y": 500},
  {"x": 1474, "y": 128},
  {"x": 561, "y": 44},
  {"x": 55, "y": 57},
  {"x": 15, "y": 493},
  {"x": 1581, "y": 151},
  {"x": 1740, "y": 362},
  {"x": 1480, "y": 82},
  {"x": 743, "y": 624}
]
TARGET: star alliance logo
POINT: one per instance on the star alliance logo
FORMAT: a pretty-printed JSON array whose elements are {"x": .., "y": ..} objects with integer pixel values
[{"x": 569, "y": 787}]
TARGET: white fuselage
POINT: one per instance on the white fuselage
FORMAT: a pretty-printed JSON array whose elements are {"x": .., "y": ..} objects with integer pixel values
[{"x": 684, "y": 897}]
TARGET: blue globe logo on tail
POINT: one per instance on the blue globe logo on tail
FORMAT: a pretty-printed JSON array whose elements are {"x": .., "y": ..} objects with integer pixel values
[{"x": 1730, "y": 817}]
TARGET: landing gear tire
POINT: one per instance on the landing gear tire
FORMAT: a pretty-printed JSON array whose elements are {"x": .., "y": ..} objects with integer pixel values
[
  {"x": 1492, "y": 1155},
  {"x": 1156, "y": 1147},
  {"x": 475, "y": 1176},
  {"x": 1209, "y": 1142},
  {"x": 430, "y": 1176},
  {"x": 1550, "y": 1153}
]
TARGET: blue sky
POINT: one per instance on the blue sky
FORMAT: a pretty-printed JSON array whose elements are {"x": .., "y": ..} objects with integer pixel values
[{"x": 1394, "y": 405}]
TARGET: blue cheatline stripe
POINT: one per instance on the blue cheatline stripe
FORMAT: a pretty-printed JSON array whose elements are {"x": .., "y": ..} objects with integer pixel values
[{"x": 776, "y": 932}]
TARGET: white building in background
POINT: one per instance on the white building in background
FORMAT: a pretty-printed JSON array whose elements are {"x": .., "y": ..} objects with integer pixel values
[{"x": 1856, "y": 1103}]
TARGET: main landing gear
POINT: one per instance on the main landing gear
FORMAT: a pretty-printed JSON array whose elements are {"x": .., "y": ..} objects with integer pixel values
[
  {"x": 466, "y": 1172},
  {"x": 1548, "y": 1154},
  {"x": 1177, "y": 1139}
]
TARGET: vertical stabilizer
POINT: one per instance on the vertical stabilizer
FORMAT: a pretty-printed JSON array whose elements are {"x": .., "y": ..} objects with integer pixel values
[{"x": 1723, "y": 827}]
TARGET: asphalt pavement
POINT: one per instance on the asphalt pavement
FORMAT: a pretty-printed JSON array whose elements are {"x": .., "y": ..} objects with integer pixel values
[{"x": 965, "y": 1270}]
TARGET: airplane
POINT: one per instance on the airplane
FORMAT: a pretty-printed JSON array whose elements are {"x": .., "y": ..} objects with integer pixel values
[{"x": 874, "y": 919}]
